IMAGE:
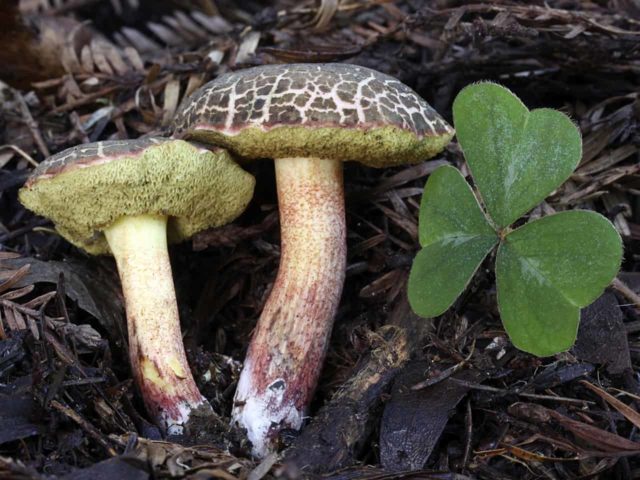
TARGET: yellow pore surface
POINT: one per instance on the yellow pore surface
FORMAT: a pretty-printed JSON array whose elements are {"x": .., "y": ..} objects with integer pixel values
[
  {"x": 195, "y": 188},
  {"x": 379, "y": 147}
]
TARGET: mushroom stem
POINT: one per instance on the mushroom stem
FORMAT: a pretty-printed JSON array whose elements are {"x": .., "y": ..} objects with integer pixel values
[
  {"x": 158, "y": 359},
  {"x": 287, "y": 350}
]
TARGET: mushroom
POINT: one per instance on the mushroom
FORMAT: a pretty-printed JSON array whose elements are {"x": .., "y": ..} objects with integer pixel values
[
  {"x": 126, "y": 198},
  {"x": 309, "y": 118}
]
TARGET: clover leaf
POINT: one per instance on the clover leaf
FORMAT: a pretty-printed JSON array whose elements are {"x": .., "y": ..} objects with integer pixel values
[
  {"x": 547, "y": 269},
  {"x": 516, "y": 157},
  {"x": 456, "y": 237}
]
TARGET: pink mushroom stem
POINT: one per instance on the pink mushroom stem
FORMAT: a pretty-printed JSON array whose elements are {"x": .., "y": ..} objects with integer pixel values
[{"x": 288, "y": 347}]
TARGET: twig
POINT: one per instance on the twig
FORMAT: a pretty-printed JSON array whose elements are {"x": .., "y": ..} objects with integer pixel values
[
  {"x": 468, "y": 434},
  {"x": 86, "y": 426},
  {"x": 90, "y": 97},
  {"x": 626, "y": 292},
  {"x": 536, "y": 396},
  {"x": 33, "y": 127},
  {"x": 446, "y": 373},
  {"x": 20, "y": 231},
  {"x": 22, "y": 153},
  {"x": 70, "y": 6}
]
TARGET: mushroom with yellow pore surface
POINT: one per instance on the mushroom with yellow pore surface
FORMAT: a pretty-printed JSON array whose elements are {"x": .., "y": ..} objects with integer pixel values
[
  {"x": 128, "y": 198},
  {"x": 309, "y": 118}
]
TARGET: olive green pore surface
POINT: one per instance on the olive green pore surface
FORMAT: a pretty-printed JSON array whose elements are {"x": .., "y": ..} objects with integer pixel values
[
  {"x": 375, "y": 147},
  {"x": 197, "y": 189}
]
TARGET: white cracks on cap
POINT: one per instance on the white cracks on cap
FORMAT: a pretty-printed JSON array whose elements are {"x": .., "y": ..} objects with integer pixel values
[
  {"x": 312, "y": 94},
  {"x": 265, "y": 413}
]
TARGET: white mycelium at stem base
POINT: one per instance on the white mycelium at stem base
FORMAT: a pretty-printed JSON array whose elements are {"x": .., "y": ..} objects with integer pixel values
[
  {"x": 156, "y": 350},
  {"x": 290, "y": 341}
]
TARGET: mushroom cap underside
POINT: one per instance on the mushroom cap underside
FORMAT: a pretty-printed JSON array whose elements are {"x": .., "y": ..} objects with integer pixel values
[
  {"x": 85, "y": 189},
  {"x": 376, "y": 147},
  {"x": 334, "y": 111}
]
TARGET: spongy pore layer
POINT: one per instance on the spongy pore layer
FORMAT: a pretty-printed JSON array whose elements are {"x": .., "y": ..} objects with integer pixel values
[
  {"x": 375, "y": 147},
  {"x": 84, "y": 194}
]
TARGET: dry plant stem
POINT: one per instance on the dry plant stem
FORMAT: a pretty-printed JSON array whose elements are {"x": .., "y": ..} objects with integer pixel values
[
  {"x": 625, "y": 291},
  {"x": 158, "y": 360},
  {"x": 287, "y": 350}
]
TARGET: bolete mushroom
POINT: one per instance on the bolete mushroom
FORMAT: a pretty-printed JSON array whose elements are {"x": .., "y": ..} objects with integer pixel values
[
  {"x": 309, "y": 118},
  {"x": 128, "y": 198}
]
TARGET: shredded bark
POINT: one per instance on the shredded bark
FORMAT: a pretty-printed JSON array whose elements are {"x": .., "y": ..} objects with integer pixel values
[{"x": 399, "y": 397}]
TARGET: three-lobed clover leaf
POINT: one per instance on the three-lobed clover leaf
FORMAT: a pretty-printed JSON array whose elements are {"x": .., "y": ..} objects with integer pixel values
[{"x": 546, "y": 270}]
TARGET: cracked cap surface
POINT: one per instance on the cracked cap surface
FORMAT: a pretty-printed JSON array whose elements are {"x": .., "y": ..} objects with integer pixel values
[
  {"x": 85, "y": 188},
  {"x": 335, "y": 111}
]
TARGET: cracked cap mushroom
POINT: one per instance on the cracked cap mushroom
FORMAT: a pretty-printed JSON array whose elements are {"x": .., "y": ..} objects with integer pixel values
[
  {"x": 128, "y": 198},
  {"x": 309, "y": 118}
]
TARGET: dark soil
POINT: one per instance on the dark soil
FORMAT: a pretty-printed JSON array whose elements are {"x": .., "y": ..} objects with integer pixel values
[{"x": 68, "y": 407}]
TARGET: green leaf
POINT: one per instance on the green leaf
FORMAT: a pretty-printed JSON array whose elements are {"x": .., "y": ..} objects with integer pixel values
[
  {"x": 534, "y": 314},
  {"x": 547, "y": 270},
  {"x": 441, "y": 271},
  {"x": 449, "y": 209},
  {"x": 456, "y": 237},
  {"x": 516, "y": 157}
]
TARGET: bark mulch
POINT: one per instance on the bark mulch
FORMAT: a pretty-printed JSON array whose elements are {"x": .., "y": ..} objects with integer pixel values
[{"x": 400, "y": 396}]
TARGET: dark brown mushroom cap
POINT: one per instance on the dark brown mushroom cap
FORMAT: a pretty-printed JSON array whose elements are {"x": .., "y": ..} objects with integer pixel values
[
  {"x": 86, "y": 188},
  {"x": 336, "y": 111},
  {"x": 91, "y": 154}
]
